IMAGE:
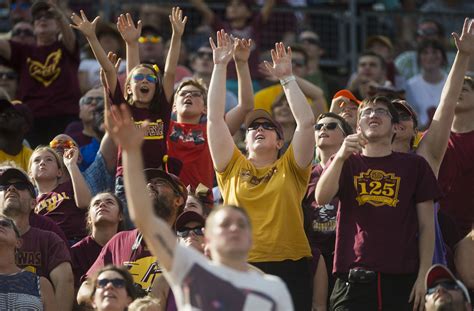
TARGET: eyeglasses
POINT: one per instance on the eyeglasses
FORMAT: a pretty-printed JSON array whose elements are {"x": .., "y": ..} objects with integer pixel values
[
  {"x": 328, "y": 126},
  {"x": 379, "y": 112},
  {"x": 202, "y": 54},
  {"x": 18, "y": 186},
  {"x": 117, "y": 283},
  {"x": 140, "y": 76},
  {"x": 25, "y": 32},
  {"x": 298, "y": 62},
  {"x": 45, "y": 14},
  {"x": 87, "y": 100},
  {"x": 151, "y": 39},
  {"x": 310, "y": 41},
  {"x": 192, "y": 93},
  {"x": 65, "y": 144},
  {"x": 265, "y": 125},
  {"x": 8, "y": 75},
  {"x": 187, "y": 231},
  {"x": 448, "y": 285}
]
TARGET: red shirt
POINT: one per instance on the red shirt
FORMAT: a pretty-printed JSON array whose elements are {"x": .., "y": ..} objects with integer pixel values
[
  {"x": 188, "y": 143},
  {"x": 49, "y": 81},
  {"x": 377, "y": 224},
  {"x": 83, "y": 254}
]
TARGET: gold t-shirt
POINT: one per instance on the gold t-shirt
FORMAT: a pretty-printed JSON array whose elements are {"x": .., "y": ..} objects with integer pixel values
[{"x": 21, "y": 159}]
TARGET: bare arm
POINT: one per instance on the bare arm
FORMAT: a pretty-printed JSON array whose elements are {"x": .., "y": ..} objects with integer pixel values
[
  {"x": 315, "y": 93},
  {"x": 207, "y": 13},
  {"x": 88, "y": 29},
  {"x": 63, "y": 282},
  {"x": 220, "y": 141},
  {"x": 425, "y": 212},
  {"x": 158, "y": 236},
  {"x": 160, "y": 290},
  {"x": 82, "y": 193},
  {"x": 267, "y": 10},
  {"x": 320, "y": 286},
  {"x": 236, "y": 116},
  {"x": 47, "y": 295},
  {"x": 303, "y": 139},
  {"x": 68, "y": 37},
  {"x": 433, "y": 145},
  {"x": 84, "y": 293},
  {"x": 177, "y": 23},
  {"x": 130, "y": 35}
]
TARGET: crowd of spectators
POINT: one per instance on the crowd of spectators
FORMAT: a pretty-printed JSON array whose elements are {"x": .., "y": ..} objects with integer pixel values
[{"x": 149, "y": 165}]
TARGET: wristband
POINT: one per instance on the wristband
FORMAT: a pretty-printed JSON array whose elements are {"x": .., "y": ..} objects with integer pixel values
[{"x": 287, "y": 80}]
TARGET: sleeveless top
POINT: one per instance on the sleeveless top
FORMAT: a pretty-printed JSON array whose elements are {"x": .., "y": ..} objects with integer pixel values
[{"x": 20, "y": 291}]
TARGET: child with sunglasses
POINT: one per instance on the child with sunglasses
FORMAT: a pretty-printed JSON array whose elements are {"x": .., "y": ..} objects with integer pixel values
[{"x": 148, "y": 94}]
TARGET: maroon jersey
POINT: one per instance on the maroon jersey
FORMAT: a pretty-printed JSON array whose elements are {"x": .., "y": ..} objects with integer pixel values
[
  {"x": 83, "y": 254},
  {"x": 456, "y": 177},
  {"x": 188, "y": 143},
  {"x": 59, "y": 205},
  {"x": 127, "y": 249},
  {"x": 377, "y": 224},
  {"x": 46, "y": 224},
  {"x": 41, "y": 252},
  {"x": 48, "y": 78}
]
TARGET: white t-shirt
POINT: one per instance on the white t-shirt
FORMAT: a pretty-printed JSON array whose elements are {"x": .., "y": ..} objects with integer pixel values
[
  {"x": 424, "y": 96},
  {"x": 199, "y": 284}
]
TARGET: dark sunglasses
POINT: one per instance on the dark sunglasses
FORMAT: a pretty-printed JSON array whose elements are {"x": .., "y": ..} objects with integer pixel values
[
  {"x": 117, "y": 283},
  {"x": 265, "y": 125},
  {"x": 148, "y": 77},
  {"x": 202, "y": 54},
  {"x": 192, "y": 93},
  {"x": 5, "y": 223},
  {"x": 328, "y": 126},
  {"x": 310, "y": 41},
  {"x": 18, "y": 186},
  {"x": 8, "y": 76},
  {"x": 449, "y": 285},
  {"x": 25, "y": 32},
  {"x": 186, "y": 232},
  {"x": 88, "y": 100},
  {"x": 45, "y": 14}
]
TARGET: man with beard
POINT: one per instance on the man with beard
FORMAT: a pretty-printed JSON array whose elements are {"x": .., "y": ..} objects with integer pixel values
[{"x": 127, "y": 248}]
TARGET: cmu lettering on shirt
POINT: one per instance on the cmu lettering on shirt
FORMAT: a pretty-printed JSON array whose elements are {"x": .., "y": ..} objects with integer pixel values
[
  {"x": 377, "y": 188},
  {"x": 51, "y": 203},
  {"x": 48, "y": 72},
  {"x": 247, "y": 176},
  {"x": 144, "y": 271},
  {"x": 155, "y": 129}
]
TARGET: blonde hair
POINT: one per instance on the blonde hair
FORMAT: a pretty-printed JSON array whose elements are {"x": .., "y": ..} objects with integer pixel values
[
  {"x": 58, "y": 159},
  {"x": 142, "y": 304}
]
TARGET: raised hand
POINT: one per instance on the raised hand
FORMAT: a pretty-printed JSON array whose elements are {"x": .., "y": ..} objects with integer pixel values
[
  {"x": 70, "y": 156},
  {"x": 281, "y": 58},
  {"x": 465, "y": 42},
  {"x": 115, "y": 60},
  {"x": 83, "y": 24},
  {"x": 242, "y": 50},
  {"x": 177, "y": 21},
  {"x": 352, "y": 143},
  {"x": 222, "y": 53},
  {"x": 121, "y": 128},
  {"x": 129, "y": 32}
]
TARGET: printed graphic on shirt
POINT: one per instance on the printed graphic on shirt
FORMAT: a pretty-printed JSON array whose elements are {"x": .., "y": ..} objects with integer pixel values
[
  {"x": 247, "y": 176},
  {"x": 28, "y": 261},
  {"x": 224, "y": 295},
  {"x": 155, "y": 129},
  {"x": 377, "y": 188},
  {"x": 51, "y": 203},
  {"x": 144, "y": 271},
  {"x": 195, "y": 136},
  {"x": 48, "y": 72},
  {"x": 324, "y": 218}
]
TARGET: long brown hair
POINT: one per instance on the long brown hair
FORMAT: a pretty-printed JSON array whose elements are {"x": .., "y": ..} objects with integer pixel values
[{"x": 154, "y": 104}]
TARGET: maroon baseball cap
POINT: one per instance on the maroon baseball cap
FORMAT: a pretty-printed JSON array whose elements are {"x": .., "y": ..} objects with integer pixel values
[
  {"x": 187, "y": 217},
  {"x": 263, "y": 114},
  {"x": 403, "y": 105},
  {"x": 173, "y": 180}
]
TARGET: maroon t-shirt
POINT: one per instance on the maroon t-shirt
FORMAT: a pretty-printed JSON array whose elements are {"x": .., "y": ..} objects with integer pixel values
[
  {"x": 74, "y": 129},
  {"x": 188, "y": 143},
  {"x": 49, "y": 81},
  {"x": 46, "y": 224},
  {"x": 119, "y": 251},
  {"x": 251, "y": 31},
  {"x": 456, "y": 177},
  {"x": 59, "y": 205},
  {"x": 83, "y": 254},
  {"x": 377, "y": 224},
  {"x": 41, "y": 252}
]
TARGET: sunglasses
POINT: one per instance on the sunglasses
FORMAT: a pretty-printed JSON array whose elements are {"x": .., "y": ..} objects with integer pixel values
[
  {"x": 5, "y": 223},
  {"x": 44, "y": 14},
  {"x": 265, "y": 125},
  {"x": 18, "y": 186},
  {"x": 202, "y": 54},
  {"x": 151, "y": 39},
  {"x": 65, "y": 144},
  {"x": 186, "y": 232},
  {"x": 310, "y": 41},
  {"x": 140, "y": 76},
  {"x": 403, "y": 116},
  {"x": 86, "y": 101},
  {"x": 379, "y": 112},
  {"x": 8, "y": 76},
  {"x": 24, "y": 32},
  {"x": 329, "y": 126},
  {"x": 192, "y": 93},
  {"x": 117, "y": 283},
  {"x": 446, "y": 285}
]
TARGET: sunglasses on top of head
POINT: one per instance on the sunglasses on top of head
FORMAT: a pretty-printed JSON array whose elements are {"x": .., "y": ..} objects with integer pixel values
[
  {"x": 149, "y": 77},
  {"x": 265, "y": 125}
]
